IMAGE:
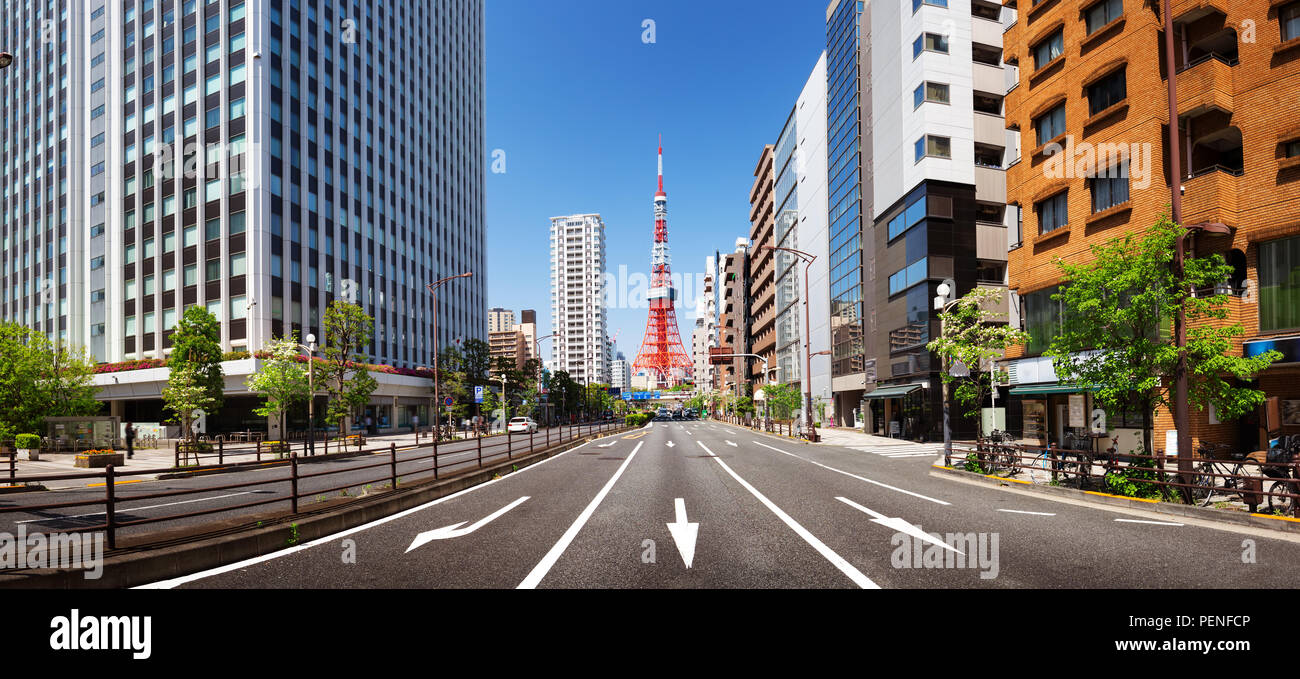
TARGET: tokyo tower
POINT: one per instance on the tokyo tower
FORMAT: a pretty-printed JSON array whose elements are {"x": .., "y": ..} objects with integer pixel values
[{"x": 662, "y": 356}]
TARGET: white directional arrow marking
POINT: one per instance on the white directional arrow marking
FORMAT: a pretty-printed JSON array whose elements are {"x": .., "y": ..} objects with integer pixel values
[
  {"x": 898, "y": 525},
  {"x": 607, "y": 444},
  {"x": 684, "y": 533},
  {"x": 455, "y": 531},
  {"x": 671, "y": 444},
  {"x": 732, "y": 444}
]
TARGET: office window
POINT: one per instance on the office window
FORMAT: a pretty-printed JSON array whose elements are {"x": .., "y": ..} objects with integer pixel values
[
  {"x": 191, "y": 275},
  {"x": 1052, "y": 213},
  {"x": 1049, "y": 49},
  {"x": 148, "y": 285},
  {"x": 97, "y": 230},
  {"x": 97, "y": 140},
  {"x": 96, "y": 296},
  {"x": 129, "y": 256},
  {"x": 214, "y": 308},
  {"x": 212, "y": 270},
  {"x": 1109, "y": 188},
  {"x": 169, "y": 280},
  {"x": 932, "y": 146},
  {"x": 1103, "y": 13},
  {"x": 148, "y": 323},
  {"x": 169, "y": 241},
  {"x": 238, "y": 308},
  {"x": 1107, "y": 92},
  {"x": 97, "y": 263},
  {"x": 129, "y": 326},
  {"x": 169, "y": 319},
  {"x": 1050, "y": 125},
  {"x": 129, "y": 289},
  {"x": 236, "y": 223},
  {"x": 237, "y": 265},
  {"x": 912, "y": 275},
  {"x": 1279, "y": 285},
  {"x": 916, "y": 4}
]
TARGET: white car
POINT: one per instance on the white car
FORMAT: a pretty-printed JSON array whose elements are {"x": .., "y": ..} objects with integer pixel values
[{"x": 522, "y": 425}]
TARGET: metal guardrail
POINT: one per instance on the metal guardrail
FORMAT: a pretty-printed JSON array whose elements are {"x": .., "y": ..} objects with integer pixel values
[
  {"x": 1256, "y": 481},
  {"x": 509, "y": 448}
]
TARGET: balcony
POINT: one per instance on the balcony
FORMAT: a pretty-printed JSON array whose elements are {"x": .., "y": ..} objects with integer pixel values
[
  {"x": 986, "y": 31},
  {"x": 1206, "y": 85},
  {"x": 1211, "y": 196},
  {"x": 990, "y": 185},
  {"x": 990, "y": 129},
  {"x": 988, "y": 78}
]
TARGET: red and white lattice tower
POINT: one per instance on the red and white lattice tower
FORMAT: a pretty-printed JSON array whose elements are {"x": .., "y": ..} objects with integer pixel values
[{"x": 662, "y": 356}]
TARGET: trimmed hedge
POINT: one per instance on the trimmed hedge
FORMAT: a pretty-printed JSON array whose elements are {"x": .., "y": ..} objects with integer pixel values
[
  {"x": 636, "y": 419},
  {"x": 27, "y": 442}
]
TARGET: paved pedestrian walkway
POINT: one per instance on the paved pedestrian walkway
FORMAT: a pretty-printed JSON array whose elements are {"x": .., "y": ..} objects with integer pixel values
[{"x": 879, "y": 445}]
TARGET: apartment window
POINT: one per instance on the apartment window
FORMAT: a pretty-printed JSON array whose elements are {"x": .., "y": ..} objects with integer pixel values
[
  {"x": 97, "y": 330},
  {"x": 1050, "y": 125},
  {"x": 96, "y": 296},
  {"x": 1109, "y": 188},
  {"x": 1292, "y": 149},
  {"x": 916, "y": 4},
  {"x": 1107, "y": 92},
  {"x": 934, "y": 147},
  {"x": 1042, "y": 319},
  {"x": 930, "y": 42},
  {"x": 1052, "y": 213},
  {"x": 97, "y": 263},
  {"x": 1049, "y": 49},
  {"x": 928, "y": 91},
  {"x": 1289, "y": 17},
  {"x": 1102, "y": 13},
  {"x": 1279, "y": 285},
  {"x": 97, "y": 230}
]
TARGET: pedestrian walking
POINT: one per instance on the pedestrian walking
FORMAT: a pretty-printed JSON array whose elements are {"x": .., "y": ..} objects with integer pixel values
[
  {"x": 415, "y": 425},
  {"x": 130, "y": 440}
]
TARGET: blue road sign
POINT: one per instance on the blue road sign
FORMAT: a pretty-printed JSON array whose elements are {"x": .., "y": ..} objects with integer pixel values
[
  {"x": 448, "y": 401},
  {"x": 478, "y": 395}
]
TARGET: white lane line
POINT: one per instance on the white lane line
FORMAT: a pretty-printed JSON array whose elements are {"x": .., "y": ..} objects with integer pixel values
[
  {"x": 544, "y": 566},
  {"x": 135, "y": 509},
  {"x": 836, "y": 560},
  {"x": 1021, "y": 511},
  {"x": 1154, "y": 523},
  {"x": 328, "y": 539},
  {"x": 860, "y": 478}
]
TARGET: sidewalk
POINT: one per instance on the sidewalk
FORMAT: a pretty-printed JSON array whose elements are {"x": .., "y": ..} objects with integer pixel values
[{"x": 878, "y": 445}]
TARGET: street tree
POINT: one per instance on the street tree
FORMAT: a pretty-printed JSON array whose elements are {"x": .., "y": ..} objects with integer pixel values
[
  {"x": 282, "y": 381},
  {"x": 187, "y": 391},
  {"x": 1114, "y": 328},
  {"x": 783, "y": 399},
  {"x": 347, "y": 380},
  {"x": 196, "y": 343},
  {"x": 39, "y": 380},
  {"x": 975, "y": 334}
]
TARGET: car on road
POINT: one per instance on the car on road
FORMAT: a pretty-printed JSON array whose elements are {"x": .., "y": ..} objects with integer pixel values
[{"x": 522, "y": 425}]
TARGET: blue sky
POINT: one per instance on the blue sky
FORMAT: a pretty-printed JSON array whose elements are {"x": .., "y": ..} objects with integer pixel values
[{"x": 576, "y": 100}]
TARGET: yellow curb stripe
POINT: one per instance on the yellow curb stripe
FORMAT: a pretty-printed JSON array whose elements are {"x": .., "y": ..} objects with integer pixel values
[
  {"x": 1003, "y": 478},
  {"x": 116, "y": 483},
  {"x": 1121, "y": 497},
  {"x": 1279, "y": 518}
]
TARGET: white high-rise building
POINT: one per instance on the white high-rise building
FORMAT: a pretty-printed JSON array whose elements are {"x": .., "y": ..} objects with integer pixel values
[
  {"x": 620, "y": 373},
  {"x": 577, "y": 300},
  {"x": 342, "y": 157}
]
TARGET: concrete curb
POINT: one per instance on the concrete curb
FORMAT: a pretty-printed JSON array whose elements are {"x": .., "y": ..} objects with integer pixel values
[
  {"x": 1206, "y": 514},
  {"x": 756, "y": 432},
  {"x": 164, "y": 563},
  {"x": 5, "y": 490}
]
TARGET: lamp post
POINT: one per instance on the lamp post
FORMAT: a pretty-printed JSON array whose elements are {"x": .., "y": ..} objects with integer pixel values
[
  {"x": 807, "y": 260},
  {"x": 941, "y": 304},
  {"x": 310, "y": 346},
  {"x": 537, "y": 351},
  {"x": 437, "y": 369}
]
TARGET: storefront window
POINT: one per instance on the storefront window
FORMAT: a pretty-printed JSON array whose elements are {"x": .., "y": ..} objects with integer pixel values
[{"x": 1279, "y": 285}]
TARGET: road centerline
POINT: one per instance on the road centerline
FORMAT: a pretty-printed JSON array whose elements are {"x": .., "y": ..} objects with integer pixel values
[
  {"x": 544, "y": 566},
  {"x": 829, "y": 554}
]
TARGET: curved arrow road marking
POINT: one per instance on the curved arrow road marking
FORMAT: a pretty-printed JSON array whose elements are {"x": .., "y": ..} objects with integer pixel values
[
  {"x": 684, "y": 533},
  {"x": 455, "y": 530},
  {"x": 899, "y": 525}
]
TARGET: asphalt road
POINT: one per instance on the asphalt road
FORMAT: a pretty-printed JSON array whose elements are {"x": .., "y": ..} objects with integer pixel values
[
  {"x": 273, "y": 483},
  {"x": 766, "y": 513}
]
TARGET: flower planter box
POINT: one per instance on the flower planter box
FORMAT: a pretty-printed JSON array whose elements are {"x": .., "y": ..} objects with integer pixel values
[
  {"x": 99, "y": 461},
  {"x": 32, "y": 454}
]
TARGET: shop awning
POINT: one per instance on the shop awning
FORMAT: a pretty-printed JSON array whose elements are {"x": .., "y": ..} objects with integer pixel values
[
  {"x": 891, "y": 392},
  {"x": 1041, "y": 389}
]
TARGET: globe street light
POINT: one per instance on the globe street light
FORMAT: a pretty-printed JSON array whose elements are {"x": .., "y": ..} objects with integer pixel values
[
  {"x": 941, "y": 304},
  {"x": 310, "y": 346}
]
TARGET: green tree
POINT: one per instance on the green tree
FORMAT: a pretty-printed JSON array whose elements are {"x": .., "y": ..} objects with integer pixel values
[
  {"x": 186, "y": 391},
  {"x": 196, "y": 343},
  {"x": 476, "y": 362},
  {"x": 976, "y": 334},
  {"x": 39, "y": 380},
  {"x": 783, "y": 399},
  {"x": 1114, "y": 334},
  {"x": 453, "y": 382},
  {"x": 348, "y": 330},
  {"x": 282, "y": 381}
]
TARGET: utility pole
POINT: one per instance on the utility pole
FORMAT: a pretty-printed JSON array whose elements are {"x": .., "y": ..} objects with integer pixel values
[{"x": 1181, "y": 415}]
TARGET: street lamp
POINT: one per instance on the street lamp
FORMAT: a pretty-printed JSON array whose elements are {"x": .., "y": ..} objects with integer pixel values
[
  {"x": 808, "y": 260},
  {"x": 537, "y": 351},
  {"x": 941, "y": 304},
  {"x": 310, "y": 346},
  {"x": 437, "y": 397}
]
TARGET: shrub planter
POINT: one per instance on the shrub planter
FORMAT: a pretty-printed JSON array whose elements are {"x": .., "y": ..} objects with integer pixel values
[
  {"x": 279, "y": 449},
  {"x": 29, "y": 446},
  {"x": 98, "y": 459}
]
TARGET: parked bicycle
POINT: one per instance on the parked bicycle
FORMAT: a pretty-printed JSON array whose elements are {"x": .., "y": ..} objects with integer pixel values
[
  {"x": 1220, "y": 462},
  {"x": 1001, "y": 453},
  {"x": 1282, "y": 466}
]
